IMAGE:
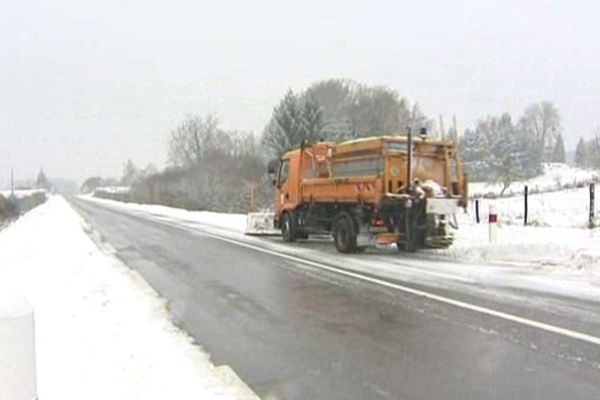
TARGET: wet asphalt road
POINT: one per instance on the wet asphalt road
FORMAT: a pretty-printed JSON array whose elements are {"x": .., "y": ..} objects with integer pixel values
[{"x": 295, "y": 332}]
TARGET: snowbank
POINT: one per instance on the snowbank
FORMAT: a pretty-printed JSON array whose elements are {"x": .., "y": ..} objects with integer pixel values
[
  {"x": 101, "y": 331},
  {"x": 569, "y": 248}
]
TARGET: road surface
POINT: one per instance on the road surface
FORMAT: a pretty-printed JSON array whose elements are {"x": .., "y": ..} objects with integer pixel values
[{"x": 299, "y": 329}]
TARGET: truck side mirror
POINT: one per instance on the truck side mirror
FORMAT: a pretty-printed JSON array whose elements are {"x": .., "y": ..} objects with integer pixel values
[
  {"x": 272, "y": 166},
  {"x": 272, "y": 169}
]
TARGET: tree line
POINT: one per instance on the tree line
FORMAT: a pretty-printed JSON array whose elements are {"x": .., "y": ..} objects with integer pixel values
[
  {"x": 210, "y": 168},
  {"x": 339, "y": 109},
  {"x": 505, "y": 151},
  {"x": 587, "y": 152},
  {"x": 215, "y": 169}
]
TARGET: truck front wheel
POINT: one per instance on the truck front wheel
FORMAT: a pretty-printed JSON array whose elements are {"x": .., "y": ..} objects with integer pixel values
[
  {"x": 289, "y": 227},
  {"x": 344, "y": 235}
]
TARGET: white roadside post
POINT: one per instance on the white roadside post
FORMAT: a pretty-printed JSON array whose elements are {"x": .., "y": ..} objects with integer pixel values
[
  {"x": 17, "y": 348},
  {"x": 493, "y": 224}
]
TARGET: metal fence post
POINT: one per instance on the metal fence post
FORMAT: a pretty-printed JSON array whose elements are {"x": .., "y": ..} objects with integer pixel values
[
  {"x": 526, "y": 211},
  {"x": 592, "y": 205}
]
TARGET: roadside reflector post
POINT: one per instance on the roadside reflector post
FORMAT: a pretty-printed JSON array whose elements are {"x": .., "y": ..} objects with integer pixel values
[
  {"x": 17, "y": 348},
  {"x": 477, "y": 210},
  {"x": 493, "y": 224},
  {"x": 592, "y": 205}
]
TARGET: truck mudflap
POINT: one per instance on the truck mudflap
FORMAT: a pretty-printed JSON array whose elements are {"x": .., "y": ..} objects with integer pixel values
[{"x": 441, "y": 206}]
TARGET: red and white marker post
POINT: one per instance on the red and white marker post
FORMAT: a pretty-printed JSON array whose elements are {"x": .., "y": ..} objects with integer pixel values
[{"x": 493, "y": 224}]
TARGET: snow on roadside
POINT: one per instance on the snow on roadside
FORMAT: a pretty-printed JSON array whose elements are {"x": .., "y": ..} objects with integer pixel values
[
  {"x": 101, "y": 331},
  {"x": 235, "y": 222},
  {"x": 568, "y": 249}
]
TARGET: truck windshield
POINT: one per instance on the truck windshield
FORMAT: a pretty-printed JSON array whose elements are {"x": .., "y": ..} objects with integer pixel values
[{"x": 284, "y": 171}]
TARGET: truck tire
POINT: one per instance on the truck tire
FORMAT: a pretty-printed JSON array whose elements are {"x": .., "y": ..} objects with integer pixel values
[
  {"x": 344, "y": 234},
  {"x": 289, "y": 227}
]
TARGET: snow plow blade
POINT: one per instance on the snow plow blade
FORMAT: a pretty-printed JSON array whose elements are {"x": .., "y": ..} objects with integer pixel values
[{"x": 261, "y": 224}]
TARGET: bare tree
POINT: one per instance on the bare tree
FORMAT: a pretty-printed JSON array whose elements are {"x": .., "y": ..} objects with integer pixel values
[
  {"x": 193, "y": 139},
  {"x": 130, "y": 173},
  {"x": 541, "y": 122}
]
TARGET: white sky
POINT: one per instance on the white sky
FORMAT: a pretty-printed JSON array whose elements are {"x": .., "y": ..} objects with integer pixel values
[{"x": 84, "y": 85}]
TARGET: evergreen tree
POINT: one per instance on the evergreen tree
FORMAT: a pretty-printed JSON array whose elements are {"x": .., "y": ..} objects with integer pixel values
[
  {"x": 580, "y": 154},
  {"x": 558, "y": 154},
  {"x": 42, "y": 181},
  {"x": 312, "y": 120},
  {"x": 592, "y": 153},
  {"x": 498, "y": 151},
  {"x": 293, "y": 121}
]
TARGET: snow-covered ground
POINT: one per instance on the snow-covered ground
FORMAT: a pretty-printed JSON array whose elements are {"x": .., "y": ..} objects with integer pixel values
[
  {"x": 20, "y": 194},
  {"x": 557, "y": 209},
  {"x": 101, "y": 331},
  {"x": 113, "y": 189},
  {"x": 555, "y": 177}
]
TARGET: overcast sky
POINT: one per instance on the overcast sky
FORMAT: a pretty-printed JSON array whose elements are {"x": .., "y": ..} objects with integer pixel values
[{"x": 84, "y": 85}]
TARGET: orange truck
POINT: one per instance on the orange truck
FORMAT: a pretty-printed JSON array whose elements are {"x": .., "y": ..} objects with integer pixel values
[{"x": 370, "y": 191}]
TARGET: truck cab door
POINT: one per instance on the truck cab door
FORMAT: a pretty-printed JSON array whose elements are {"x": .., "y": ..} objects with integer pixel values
[{"x": 283, "y": 185}]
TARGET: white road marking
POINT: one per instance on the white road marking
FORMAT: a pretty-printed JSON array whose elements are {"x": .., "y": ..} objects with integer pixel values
[{"x": 417, "y": 292}]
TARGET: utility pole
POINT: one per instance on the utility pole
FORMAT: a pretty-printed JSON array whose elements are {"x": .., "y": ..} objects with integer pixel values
[{"x": 12, "y": 183}]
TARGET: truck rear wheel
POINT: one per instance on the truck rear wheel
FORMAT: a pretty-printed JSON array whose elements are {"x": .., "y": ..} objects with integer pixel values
[
  {"x": 289, "y": 227},
  {"x": 344, "y": 235}
]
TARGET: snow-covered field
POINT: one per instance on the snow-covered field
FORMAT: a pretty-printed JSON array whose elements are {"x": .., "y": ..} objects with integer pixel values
[
  {"x": 19, "y": 194},
  {"x": 101, "y": 331},
  {"x": 557, "y": 209},
  {"x": 555, "y": 177}
]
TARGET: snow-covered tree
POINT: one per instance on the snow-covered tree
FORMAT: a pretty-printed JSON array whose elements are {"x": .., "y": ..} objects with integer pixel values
[
  {"x": 580, "y": 154},
  {"x": 312, "y": 119},
  {"x": 593, "y": 151},
  {"x": 497, "y": 151},
  {"x": 351, "y": 109},
  {"x": 42, "y": 181},
  {"x": 130, "y": 173},
  {"x": 293, "y": 121},
  {"x": 194, "y": 139},
  {"x": 334, "y": 97},
  {"x": 541, "y": 124},
  {"x": 558, "y": 154}
]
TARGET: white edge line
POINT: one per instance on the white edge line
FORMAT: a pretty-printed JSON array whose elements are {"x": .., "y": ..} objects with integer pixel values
[{"x": 417, "y": 292}]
